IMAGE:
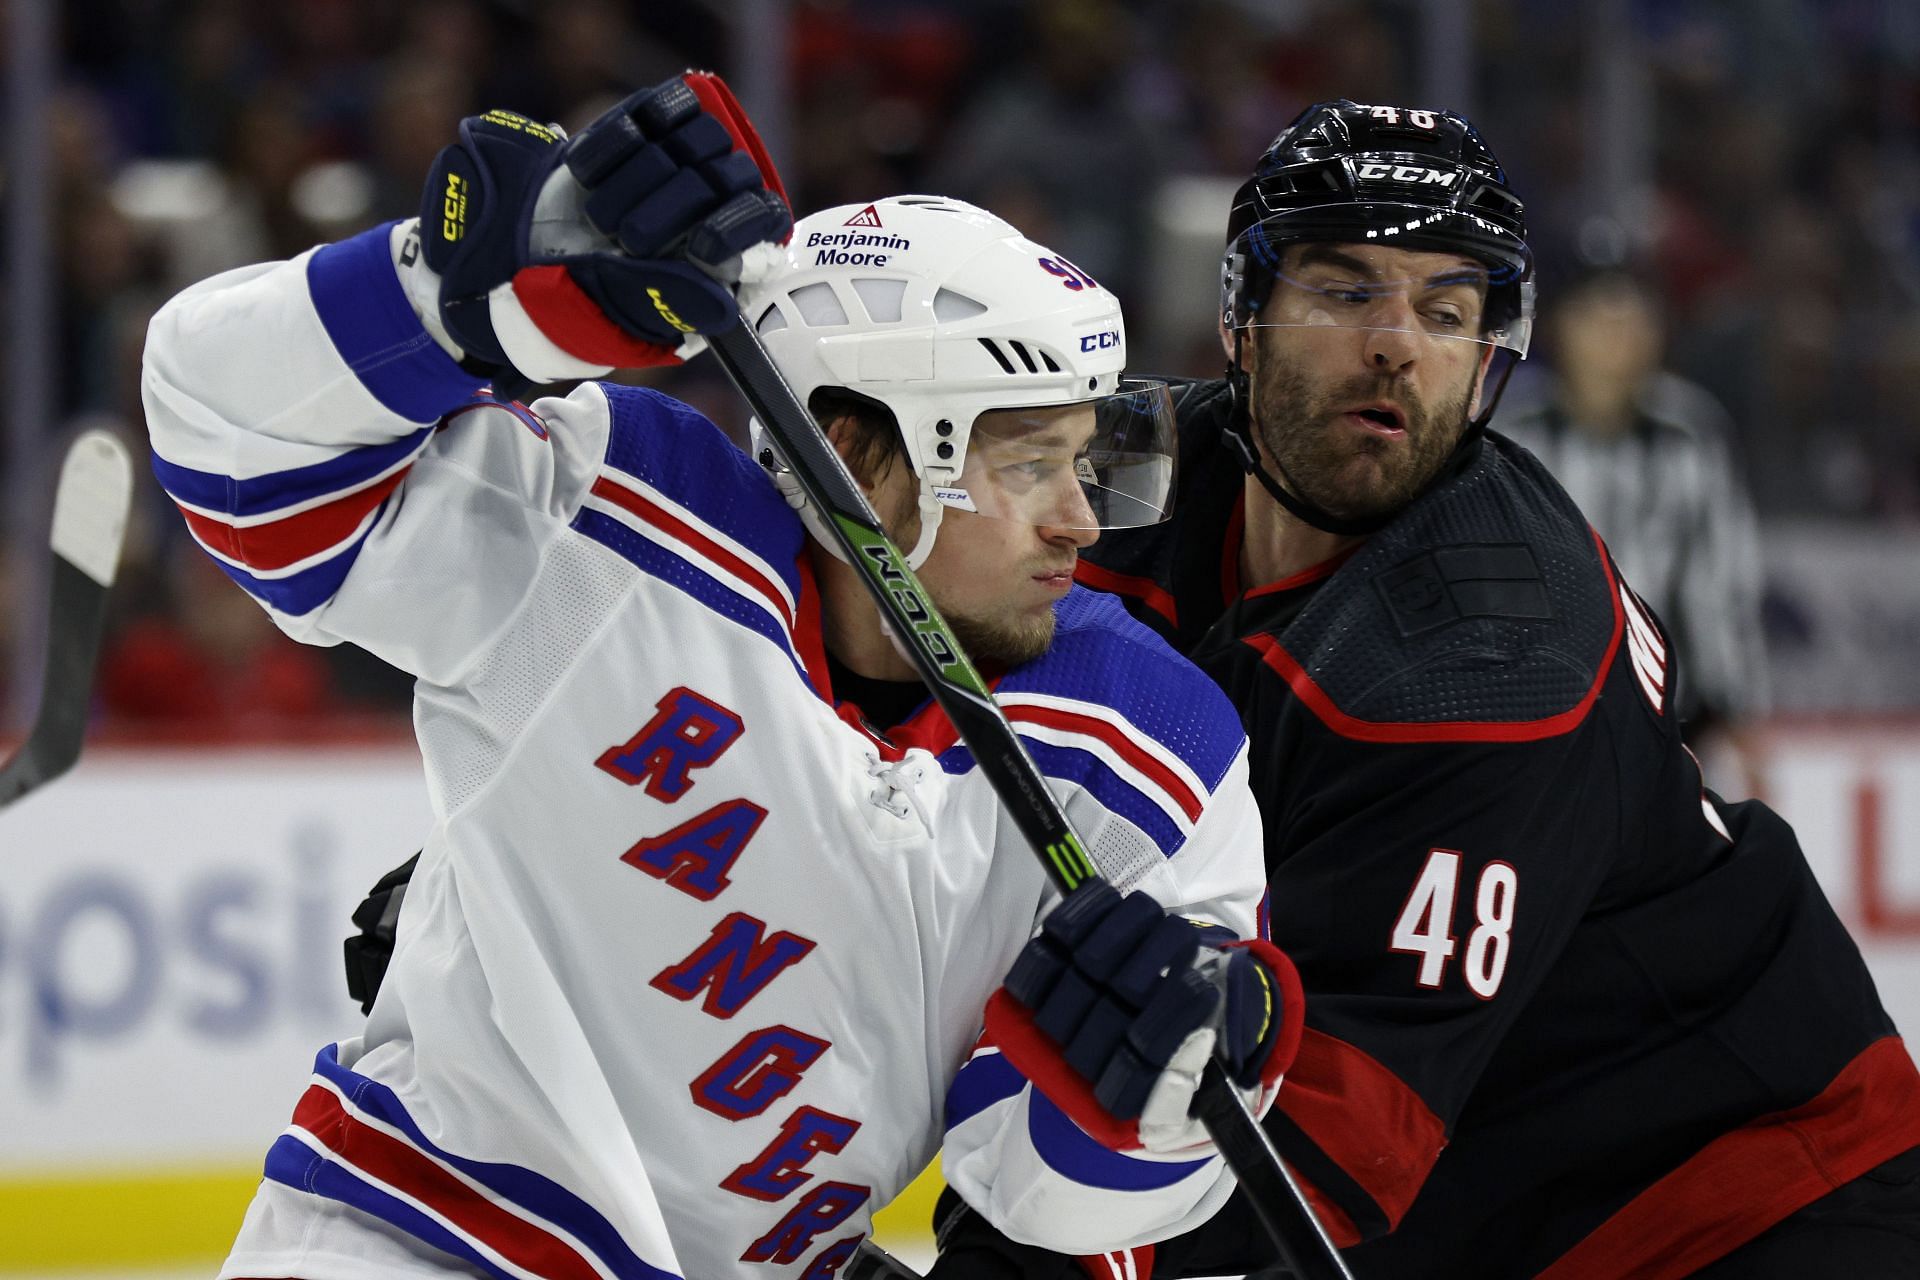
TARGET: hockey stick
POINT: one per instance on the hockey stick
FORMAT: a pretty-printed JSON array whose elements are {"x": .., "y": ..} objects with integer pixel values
[
  {"x": 89, "y": 521},
  {"x": 1272, "y": 1193},
  {"x": 871, "y": 1262}
]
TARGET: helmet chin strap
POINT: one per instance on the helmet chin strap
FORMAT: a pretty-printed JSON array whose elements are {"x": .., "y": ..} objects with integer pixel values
[
  {"x": 1239, "y": 433},
  {"x": 930, "y": 513}
]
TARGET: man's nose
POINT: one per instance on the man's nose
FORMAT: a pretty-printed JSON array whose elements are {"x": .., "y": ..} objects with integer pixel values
[
  {"x": 1393, "y": 341},
  {"x": 1072, "y": 520}
]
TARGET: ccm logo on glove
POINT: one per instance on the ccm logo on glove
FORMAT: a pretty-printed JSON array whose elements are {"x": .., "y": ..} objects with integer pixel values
[{"x": 453, "y": 223}]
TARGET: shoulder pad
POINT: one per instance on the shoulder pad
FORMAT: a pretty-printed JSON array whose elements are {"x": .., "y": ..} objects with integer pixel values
[{"x": 1488, "y": 601}]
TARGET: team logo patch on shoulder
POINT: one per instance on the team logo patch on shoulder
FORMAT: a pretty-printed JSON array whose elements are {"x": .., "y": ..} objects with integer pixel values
[{"x": 1490, "y": 581}]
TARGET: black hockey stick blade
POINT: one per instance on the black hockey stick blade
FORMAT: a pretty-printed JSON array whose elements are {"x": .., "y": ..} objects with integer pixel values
[
  {"x": 1297, "y": 1235},
  {"x": 89, "y": 524}
]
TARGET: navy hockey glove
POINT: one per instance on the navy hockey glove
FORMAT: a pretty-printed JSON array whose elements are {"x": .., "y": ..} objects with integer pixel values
[
  {"x": 1113, "y": 1010},
  {"x": 568, "y": 257}
]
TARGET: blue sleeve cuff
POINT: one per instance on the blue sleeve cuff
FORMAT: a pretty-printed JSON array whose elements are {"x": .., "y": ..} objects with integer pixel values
[
  {"x": 1069, "y": 1152},
  {"x": 372, "y": 326}
]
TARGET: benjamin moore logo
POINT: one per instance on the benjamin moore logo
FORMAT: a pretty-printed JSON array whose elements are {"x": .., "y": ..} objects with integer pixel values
[
  {"x": 855, "y": 248},
  {"x": 867, "y": 217}
]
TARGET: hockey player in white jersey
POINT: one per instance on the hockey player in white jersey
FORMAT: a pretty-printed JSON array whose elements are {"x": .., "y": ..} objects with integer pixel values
[{"x": 691, "y": 975}]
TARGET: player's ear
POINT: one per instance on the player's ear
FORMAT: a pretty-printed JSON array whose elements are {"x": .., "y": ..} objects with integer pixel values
[
  {"x": 842, "y": 432},
  {"x": 1226, "y": 340},
  {"x": 870, "y": 456}
]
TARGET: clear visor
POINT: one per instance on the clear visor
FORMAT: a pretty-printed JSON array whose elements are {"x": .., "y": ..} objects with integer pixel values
[
  {"x": 1098, "y": 464},
  {"x": 1448, "y": 304}
]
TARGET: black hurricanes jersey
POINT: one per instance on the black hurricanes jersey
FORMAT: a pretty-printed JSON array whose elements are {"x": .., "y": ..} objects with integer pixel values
[{"x": 1570, "y": 1014}]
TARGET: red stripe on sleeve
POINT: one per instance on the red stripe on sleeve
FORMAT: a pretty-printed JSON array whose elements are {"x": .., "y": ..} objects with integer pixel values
[
  {"x": 277, "y": 544},
  {"x": 1366, "y": 1119},
  {"x": 1746, "y": 1181},
  {"x": 1333, "y": 1219},
  {"x": 1093, "y": 727},
  {"x": 660, "y": 518},
  {"x": 575, "y": 323},
  {"x": 1122, "y": 1264},
  {"x": 361, "y": 1147}
]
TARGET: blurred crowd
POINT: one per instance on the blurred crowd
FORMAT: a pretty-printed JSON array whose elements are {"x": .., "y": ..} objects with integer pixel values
[{"x": 1779, "y": 231}]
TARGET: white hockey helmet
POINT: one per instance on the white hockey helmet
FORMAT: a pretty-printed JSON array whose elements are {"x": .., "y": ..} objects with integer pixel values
[{"x": 999, "y": 359}]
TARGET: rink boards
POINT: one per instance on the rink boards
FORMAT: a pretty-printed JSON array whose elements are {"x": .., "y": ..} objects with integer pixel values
[{"x": 170, "y": 926}]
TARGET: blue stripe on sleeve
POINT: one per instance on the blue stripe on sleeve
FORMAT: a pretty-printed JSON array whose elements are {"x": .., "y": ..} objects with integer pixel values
[
  {"x": 683, "y": 455},
  {"x": 303, "y": 592},
  {"x": 715, "y": 593},
  {"x": 372, "y": 325},
  {"x": 1100, "y": 654},
  {"x": 1069, "y": 1152},
  {"x": 214, "y": 492},
  {"x": 297, "y": 1165},
  {"x": 1070, "y": 764},
  {"x": 985, "y": 1080},
  {"x": 546, "y": 1198}
]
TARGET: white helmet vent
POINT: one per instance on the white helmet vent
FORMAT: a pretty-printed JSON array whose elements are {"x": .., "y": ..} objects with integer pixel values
[
  {"x": 935, "y": 203},
  {"x": 819, "y": 306},
  {"x": 772, "y": 320},
  {"x": 949, "y": 307},
  {"x": 882, "y": 298},
  {"x": 1019, "y": 349}
]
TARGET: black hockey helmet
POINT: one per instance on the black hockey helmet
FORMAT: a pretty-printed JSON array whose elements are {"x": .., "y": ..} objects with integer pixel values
[{"x": 1407, "y": 177}]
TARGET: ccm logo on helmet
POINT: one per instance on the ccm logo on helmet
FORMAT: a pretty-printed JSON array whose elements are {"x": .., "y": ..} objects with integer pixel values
[
  {"x": 1100, "y": 341},
  {"x": 1374, "y": 170}
]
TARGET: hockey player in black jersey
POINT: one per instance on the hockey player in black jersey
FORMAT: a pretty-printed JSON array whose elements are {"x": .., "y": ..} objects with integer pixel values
[{"x": 1570, "y": 1015}]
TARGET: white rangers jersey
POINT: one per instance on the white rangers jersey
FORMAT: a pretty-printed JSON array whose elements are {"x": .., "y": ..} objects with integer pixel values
[{"x": 691, "y": 973}]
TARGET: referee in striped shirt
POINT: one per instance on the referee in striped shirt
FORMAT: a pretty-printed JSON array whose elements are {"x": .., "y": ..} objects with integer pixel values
[{"x": 1646, "y": 456}]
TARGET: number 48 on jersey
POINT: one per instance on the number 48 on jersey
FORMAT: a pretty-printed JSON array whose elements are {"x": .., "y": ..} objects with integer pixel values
[{"x": 1424, "y": 927}]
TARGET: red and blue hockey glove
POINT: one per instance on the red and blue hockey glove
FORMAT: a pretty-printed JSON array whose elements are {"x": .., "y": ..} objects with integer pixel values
[
  {"x": 567, "y": 257},
  {"x": 1114, "y": 1008}
]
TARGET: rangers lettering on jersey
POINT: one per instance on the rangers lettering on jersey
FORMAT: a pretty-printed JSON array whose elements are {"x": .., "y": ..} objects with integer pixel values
[{"x": 735, "y": 964}]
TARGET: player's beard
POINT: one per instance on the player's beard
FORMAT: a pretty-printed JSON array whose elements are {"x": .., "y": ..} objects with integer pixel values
[
  {"x": 1293, "y": 417},
  {"x": 1002, "y": 641}
]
